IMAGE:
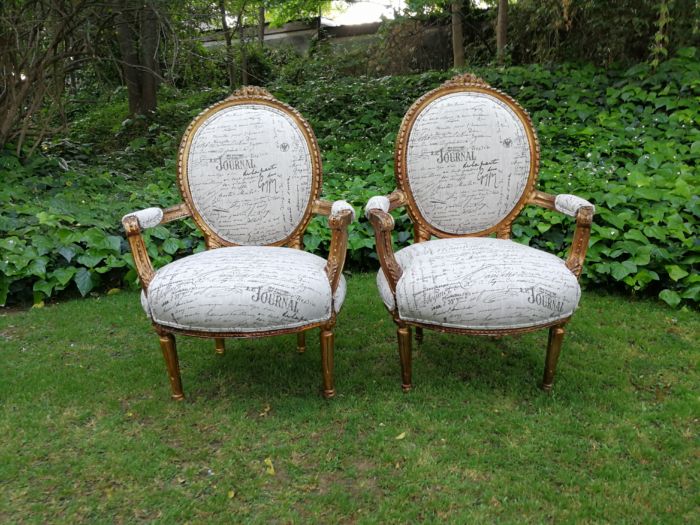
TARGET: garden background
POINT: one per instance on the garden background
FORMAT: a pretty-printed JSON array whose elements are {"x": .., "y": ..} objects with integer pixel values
[{"x": 616, "y": 131}]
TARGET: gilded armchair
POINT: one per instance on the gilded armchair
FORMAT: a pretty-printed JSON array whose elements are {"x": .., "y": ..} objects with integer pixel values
[
  {"x": 466, "y": 164},
  {"x": 249, "y": 172}
]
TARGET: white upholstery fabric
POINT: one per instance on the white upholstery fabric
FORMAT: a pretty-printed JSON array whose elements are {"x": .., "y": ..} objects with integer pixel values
[
  {"x": 148, "y": 218},
  {"x": 481, "y": 283},
  {"x": 339, "y": 206},
  {"x": 378, "y": 202},
  {"x": 467, "y": 161},
  {"x": 570, "y": 204},
  {"x": 250, "y": 174},
  {"x": 242, "y": 289}
]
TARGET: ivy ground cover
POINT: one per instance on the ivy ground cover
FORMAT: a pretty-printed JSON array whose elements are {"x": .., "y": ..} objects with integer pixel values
[{"x": 627, "y": 140}]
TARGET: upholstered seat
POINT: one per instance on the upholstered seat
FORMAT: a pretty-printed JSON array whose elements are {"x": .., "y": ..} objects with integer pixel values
[
  {"x": 253, "y": 288},
  {"x": 480, "y": 283}
]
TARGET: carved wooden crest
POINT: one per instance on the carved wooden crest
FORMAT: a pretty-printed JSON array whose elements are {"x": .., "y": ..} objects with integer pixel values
[
  {"x": 251, "y": 91},
  {"x": 466, "y": 79}
]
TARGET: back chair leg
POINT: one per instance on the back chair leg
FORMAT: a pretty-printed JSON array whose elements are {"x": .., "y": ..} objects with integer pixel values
[
  {"x": 301, "y": 342},
  {"x": 327, "y": 342},
  {"x": 220, "y": 346},
  {"x": 556, "y": 336},
  {"x": 404, "y": 335},
  {"x": 419, "y": 334},
  {"x": 167, "y": 345}
]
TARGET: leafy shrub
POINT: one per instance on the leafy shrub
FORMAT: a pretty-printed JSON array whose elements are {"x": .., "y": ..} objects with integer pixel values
[{"x": 628, "y": 140}]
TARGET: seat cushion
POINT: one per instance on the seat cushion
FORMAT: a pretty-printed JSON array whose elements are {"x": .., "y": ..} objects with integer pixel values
[
  {"x": 242, "y": 289},
  {"x": 481, "y": 283}
]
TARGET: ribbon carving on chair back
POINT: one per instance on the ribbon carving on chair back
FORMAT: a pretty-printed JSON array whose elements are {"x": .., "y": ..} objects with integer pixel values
[
  {"x": 249, "y": 168},
  {"x": 467, "y": 158}
]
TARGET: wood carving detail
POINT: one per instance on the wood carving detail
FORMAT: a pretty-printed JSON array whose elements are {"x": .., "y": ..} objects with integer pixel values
[
  {"x": 339, "y": 239},
  {"x": 466, "y": 79},
  {"x": 251, "y": 91}
]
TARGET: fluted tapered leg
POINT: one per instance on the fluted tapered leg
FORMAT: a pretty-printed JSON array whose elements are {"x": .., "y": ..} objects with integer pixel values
[
  {"x": 220, "y": 345},
  {"x": 556, "y": 336},
  {"x": 167, "y": 345},
  {"x": 301, "y": 342},
  {"x": 327, "y": 342},
  {"x": 419, "y": 334},
  {"x": 404, "y": 336}
]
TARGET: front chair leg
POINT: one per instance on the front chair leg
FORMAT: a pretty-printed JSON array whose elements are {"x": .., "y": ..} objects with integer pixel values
[
  {"x": 556, "y": 336},
  {"x": 220, "y": 345},
  {"x": 404, "y": 335},
  {"x": 301, "y": 342},
  {"x": 167, "y": 345},
  {"x": 327, "y": 341}
]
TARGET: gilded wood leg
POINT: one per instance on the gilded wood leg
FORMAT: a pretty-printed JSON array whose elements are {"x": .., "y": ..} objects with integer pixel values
[
  {"x": 301, "y": 342},
  {"x": 220, "y": 345},
  {"x": 404, "y": 336},
  {"x": 419, "y": 334},
  {"x": 556, "y": 336},
  {"x": 167, "y": 345},
  {"x": 327, "y": 341}
]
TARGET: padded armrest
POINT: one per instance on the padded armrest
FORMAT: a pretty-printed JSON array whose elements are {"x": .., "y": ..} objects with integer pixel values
[
  {"x": 147, "y": 218},
  {"x": 570, "y": 204},
  {"x": 339, "y": 206},
  {"x": 378, "y": 202}
]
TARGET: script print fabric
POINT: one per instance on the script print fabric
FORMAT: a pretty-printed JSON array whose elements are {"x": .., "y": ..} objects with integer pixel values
[
  {"x": 250, "y": 174},
  {"x": 467, "y": 162},
  {"x": 242, "y": 289},
  {"x": 481, "y": 283}
]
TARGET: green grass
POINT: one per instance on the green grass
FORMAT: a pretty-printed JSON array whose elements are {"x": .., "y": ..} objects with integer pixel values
[{"x": 89, "y": 433}]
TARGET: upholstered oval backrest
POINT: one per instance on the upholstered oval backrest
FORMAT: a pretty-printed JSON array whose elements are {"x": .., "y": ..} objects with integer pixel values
[
  {"x": 249, "y": 169},
  {"x": 467, "y": 156}
]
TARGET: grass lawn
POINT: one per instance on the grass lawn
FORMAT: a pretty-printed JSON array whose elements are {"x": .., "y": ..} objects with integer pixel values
[{"x": 89, "y": 433}]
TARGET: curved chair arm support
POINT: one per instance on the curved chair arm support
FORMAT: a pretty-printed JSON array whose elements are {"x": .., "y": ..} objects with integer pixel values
[
  {"x": 383, "y": 224},
  {"x": 341, "y": 215},
  {"x": 135, "y": 222},
  {"x": 575, "y": 207},
  {"x": 377, "y": 212}
]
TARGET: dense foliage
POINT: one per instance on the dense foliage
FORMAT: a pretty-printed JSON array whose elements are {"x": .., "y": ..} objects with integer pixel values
[{"x": 628, "y": 140}]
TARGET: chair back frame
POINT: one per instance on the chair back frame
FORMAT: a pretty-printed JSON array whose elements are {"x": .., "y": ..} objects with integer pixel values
[
  {"x": 250, "y": 95},
  {"x": 467, "y": 83}
]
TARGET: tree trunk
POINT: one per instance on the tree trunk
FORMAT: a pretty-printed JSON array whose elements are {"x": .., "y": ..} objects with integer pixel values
[
  {"x": 261, "y": 24},
  {"x": 129, "y": 56},
  {"x": 137, "y": 34},
  {"x": 501, "y": 30},
  {"x": 228, "y": 35},
  {"x": 241, "y": 39},
  {"x": 457, "y": 35},
  {"x": 149, "y": 43}
]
